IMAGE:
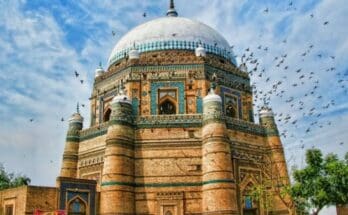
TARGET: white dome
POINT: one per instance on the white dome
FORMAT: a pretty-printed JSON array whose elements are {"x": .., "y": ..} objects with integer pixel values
[
  {"x": 134, "y": 54},
  {"x": 200, "y": 51},
  {"x": 98, "y": 72},
  {"x": 172, "y": 33},
  {"x": 243, "y": 67},
  {"x": 76, "y": 118},
  {"x": 121, "y": 98},
  {"x": 266, "y": 112},
  {"x": 212, "y": 97}
]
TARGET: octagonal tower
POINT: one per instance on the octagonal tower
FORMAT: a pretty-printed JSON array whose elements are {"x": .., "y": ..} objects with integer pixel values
[{"x": 164, "y": 145}]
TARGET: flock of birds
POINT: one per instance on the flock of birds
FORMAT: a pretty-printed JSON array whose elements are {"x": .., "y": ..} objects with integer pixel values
[
  {"x": 281, "y": 87},
  {"x": 278, "y": 89}
]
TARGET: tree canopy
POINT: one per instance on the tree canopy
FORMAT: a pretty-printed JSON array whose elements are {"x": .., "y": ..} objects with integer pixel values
[
  {"x": 10, "y": 180},
  {"x": 323, "y": 182}
]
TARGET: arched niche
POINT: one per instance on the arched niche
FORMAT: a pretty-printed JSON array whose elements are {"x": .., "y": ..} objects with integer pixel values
[
  {"x": 249, "y": 204},
  {"x": 77, "y": 207},
  {"x": 107, "y": 115},
  {"x": 167, "y": 104},
  {"x": 168, "y": 213},
  {"x": 231, "y": 106}
]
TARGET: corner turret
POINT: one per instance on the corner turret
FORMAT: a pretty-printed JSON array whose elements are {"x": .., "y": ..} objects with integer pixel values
[
  {"x": 243, "y": 67},
  {"x": 200, "y": 51},
  {"x": 219, "y": 188},
  {"x": 117, "y": 187},
  {"x": 267, "y": 121},
  {"x": 134, "y": 54},
  {"x": 274, "y": 142},
  {"x": 70, "y": 155},
  {"x": 99, "y": 71}
]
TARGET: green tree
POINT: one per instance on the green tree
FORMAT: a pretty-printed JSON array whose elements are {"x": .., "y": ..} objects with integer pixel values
[
  {"x": 272, "y": 187},
  {"x": 10, "y": 180},
  {"x": 263, "y": 194},
  {"x": 323, "y": 182}
]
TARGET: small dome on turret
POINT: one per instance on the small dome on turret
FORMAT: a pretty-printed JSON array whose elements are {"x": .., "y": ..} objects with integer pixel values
[
  {"x": 266, "y": 112},
  {"x": 121, "y": 98},
  {"x": 200, "y": 51},
  {"x": 243, "y": 67},
  {"x": 212, "y": 97},
  {"x": 134, "y": 54},
  {"x": 99, "y": 71},
  {"x": 76, "y": 118}
]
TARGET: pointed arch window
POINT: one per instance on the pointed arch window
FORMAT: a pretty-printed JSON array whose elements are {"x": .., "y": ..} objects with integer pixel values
[
  {"x": 77, "y": 207},
  {"x": 167, "y": 108},
  {"x": 248, "y": 202},
  {"x": 231, "y": 106},
  {"x": 167, "y": 101},
  {"x": 107, "y": 115},
  {"x": 250, "y": 205}
]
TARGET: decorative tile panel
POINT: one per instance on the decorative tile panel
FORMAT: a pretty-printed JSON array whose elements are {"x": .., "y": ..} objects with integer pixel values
[
  {"x": 199, "y": 104},
  {"x": 135, "y": 106},
  {"x": 154, "y": 95},
  {"x": 224, "y": 91}
]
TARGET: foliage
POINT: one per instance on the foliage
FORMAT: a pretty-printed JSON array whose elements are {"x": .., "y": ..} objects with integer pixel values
[
  {"x": 262, "y": 194},
  {"x": 10, "y": 180},
  {"x": 323, "y": 182}
]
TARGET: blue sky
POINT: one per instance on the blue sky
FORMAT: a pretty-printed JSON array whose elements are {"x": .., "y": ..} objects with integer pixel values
[{"x": 43, "y": 42}]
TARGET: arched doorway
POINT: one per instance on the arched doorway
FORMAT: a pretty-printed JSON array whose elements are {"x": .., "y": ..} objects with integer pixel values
[
  {"x": 168, "y": 213},
  {"x": 107, "y": 115},
  {"x": 249, "y": 204},
  {"x": 77, "y": 207},
  {"x": 231, "y": 106},
  {"x": 167, "y": 108},
  {"x": 167, "y": 101},
  {"x": 231, "y": 110}
]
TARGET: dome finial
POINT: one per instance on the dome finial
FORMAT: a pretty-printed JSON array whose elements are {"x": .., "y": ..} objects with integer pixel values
[{"x": 172, "y": 12}]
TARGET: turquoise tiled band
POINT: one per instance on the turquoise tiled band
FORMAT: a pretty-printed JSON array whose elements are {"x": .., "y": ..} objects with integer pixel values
[{"x": 173, "y": 44}]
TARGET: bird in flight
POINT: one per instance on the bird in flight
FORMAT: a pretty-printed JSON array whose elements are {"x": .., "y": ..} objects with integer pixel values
[
  {"x": 113, "y": 33},
  {"x": 62, "y": 119},
  {"x": 326, "y": 23},
  {"x": 81, "y": 81},
  {"x": 266, "y": 10},
  {"x": 144, "y": 14},
  {"x": 31, "y": 120},
  {"x": 76, "y": 74}
]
